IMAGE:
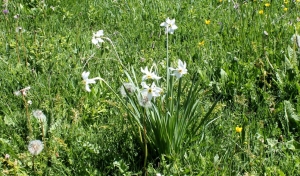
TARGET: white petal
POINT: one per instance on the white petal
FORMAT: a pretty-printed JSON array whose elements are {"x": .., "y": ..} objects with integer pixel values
[
  {"x": 94, "y": 41},
  {"x": 99, "y": 33},
  {"x": 85, "y": 75},
  {"x": 168, "y": 21},
  {"x": 87, "y": 87},
  {"x": 164, "y": 24},
  {"x": 144, "y": 85}
]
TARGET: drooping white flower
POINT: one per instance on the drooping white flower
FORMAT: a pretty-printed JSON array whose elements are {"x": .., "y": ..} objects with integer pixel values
[
  {"x": 35, "y": 147},
  {"x": 97, "y": 37},
  {"x": 144, "y": 101},
  {"x": 169, "y": 25},
  {"x": 130, "y": 88},
  {"x": 150, "y": 91},
  {"x": 180, "y": 70},
  {"x": 148, "y": 74},
  {"x": 87, "y": 81},
  {"x": 39, "y": 115}
]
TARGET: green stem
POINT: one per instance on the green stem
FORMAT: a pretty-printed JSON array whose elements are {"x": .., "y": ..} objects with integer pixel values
[
  {"x": 178, "y": 99},
  {"x": 145, "y": 145},
  {"x": 28, "y": 118}
]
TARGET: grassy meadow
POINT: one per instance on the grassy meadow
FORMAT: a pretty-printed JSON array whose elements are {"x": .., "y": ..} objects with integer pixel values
[{"x": 235, "y": 112}]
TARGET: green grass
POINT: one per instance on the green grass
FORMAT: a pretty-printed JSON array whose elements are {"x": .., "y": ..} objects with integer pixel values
[{"x": 247, "y": 58}]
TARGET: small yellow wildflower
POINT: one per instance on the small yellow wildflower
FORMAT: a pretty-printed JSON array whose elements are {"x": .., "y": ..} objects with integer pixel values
[
  {"x": 201, "y": 43},
  {"x": 221, "y": 1},
  {"x": 207, "y": 22},
  {"x": 261, "y": 12},
  {"x": 267, "y": 4},
  {"x": 285, "y": 1},
  {"x": 238, "y": 129},
  {"x": 285, "y": 9}
]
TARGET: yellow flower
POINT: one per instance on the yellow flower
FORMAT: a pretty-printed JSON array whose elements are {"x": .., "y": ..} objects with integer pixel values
[
  {"x": 220, "y": 0},
  {"x": 267, "y": 4},
  {"x": 285, "y": 1},
  {"x": 285, "y": 9},
  {"x": 207, "y": 22},
  {"x": 261, "y": 12},
  {"x": 201, "y": 43},
  {"x": 238, "y": 129}
]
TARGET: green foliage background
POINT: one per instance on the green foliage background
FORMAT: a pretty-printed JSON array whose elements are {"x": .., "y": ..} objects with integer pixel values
[{"x": 247, "y": 57}]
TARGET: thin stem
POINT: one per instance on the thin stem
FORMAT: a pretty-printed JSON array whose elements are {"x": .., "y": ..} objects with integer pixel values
[
  {"x": 17, "y": 47},
  {"x": 23, "y": 47},
  {"x": 145, "y": 145},
  {"x": 43, "y": 131},
  {"x": 108, "y": 39},
  {"x": 28, "y": 118},
  {"x": 178, "y": 98},
  {"x": 33, "y": 163}
]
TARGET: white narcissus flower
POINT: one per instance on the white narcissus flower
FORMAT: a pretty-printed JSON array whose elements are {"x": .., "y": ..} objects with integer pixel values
[
  {"x": 88, "y": 81},
  {"x": 150, "y": 91},
  {"x": 169, "y": 25},
  {"x": 181, "y": 70},
  {"x": 148, "y": 74},
  {"x": 97, "y": 37}
]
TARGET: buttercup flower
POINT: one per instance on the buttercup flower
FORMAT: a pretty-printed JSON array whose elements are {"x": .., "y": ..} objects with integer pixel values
[
  {"x": 150, "y": 91},
  {"x": 88, "y": 81},
  {"x": 201, "y": 43},
  {"x": 261, "y": 12},
  {"x": 148, "y": 74},
  {"x": 97, "y": 37},
  {"x": 169, "y": 25},
  {"x": 39, "y": 115},
  {"x": 207, "y": 22},
  {"x": 238, "y": 129},
  {"x": 181, "y": 70},
  {"x": 35, "y": 147},
  {"x": 267, "y": 4}
]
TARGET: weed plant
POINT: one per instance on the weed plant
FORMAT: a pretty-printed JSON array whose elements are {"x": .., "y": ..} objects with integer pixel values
[{"x": 242, "y": 59}]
